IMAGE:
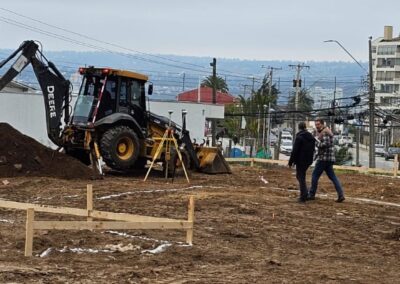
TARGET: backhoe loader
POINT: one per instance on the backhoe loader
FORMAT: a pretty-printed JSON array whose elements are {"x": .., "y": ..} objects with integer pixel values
[{"x": 109, "y": 119}]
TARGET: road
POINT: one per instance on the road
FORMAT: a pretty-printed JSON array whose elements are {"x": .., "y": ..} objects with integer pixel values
[{"x": 379, "y": 161}]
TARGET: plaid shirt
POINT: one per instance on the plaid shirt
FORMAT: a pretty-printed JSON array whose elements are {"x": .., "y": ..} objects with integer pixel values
[{"x": 326, "y": 149}]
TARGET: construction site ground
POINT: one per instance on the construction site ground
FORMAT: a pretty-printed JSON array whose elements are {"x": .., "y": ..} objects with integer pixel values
[{"x": 248, "y": 229}]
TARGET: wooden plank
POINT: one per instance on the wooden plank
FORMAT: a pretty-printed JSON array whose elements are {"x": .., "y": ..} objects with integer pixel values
[
  {"x": 238, "y": 159},
  {"x": 126, "y": 217},
  {"x": 109, "y": 225},
  {"x": 189, "y": 232},
  {"x": 43, "y": 208},
  {"x": 89, "y": 201},
  {"x": 396, "y": 165},
  {"x": 81, "y": 212},
  {"x": 30, "y": 215}
]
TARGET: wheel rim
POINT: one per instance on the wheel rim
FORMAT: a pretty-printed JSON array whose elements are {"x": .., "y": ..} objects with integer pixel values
[{"x": 125, "y": 148}]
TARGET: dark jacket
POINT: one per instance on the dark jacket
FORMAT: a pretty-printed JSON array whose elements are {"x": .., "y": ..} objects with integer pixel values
[{"x": 303, "y": 149}]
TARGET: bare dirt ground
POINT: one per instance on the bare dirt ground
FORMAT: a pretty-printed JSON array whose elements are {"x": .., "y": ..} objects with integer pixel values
[{"x": 248, "y": 229}]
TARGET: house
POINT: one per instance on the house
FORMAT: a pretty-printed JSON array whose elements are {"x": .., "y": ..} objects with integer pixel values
[{"x": 204, "y": 95}]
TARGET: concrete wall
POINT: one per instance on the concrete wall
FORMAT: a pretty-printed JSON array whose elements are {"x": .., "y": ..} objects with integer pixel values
[{"x": 25, "y": 112}]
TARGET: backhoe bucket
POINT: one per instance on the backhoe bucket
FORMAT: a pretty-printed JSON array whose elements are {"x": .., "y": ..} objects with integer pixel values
[{"x": 212, "y": 161}]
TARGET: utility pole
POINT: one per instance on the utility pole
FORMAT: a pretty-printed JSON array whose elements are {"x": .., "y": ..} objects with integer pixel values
[
  {"x": 244, "y": 89},
  {"x": 333, "y": 107},
  {"x": 271, "y": 73},
  {"x": 214, "y": 100},
  {"x": 371, "y": 110},
  {"x": 183, "y": 82},
  {"x": 357, "y": 146},
  {"x": 299, "y": 67}
]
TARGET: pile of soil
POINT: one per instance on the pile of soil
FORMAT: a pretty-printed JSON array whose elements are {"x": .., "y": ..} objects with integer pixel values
[{"x": 21, "y": 155}]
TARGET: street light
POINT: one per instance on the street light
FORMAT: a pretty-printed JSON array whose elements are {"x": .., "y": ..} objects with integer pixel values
[
  {"x": 355, "y": 60},
  {"x": 371, "y": 100}
]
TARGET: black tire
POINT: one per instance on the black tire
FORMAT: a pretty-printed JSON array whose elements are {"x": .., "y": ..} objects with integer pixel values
[
  {"x": 119, "y": 147},
  {"x": 140, "y": 163}
]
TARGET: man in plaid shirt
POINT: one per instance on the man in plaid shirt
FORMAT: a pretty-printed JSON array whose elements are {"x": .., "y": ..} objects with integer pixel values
[{"x": 325, "y": 160}]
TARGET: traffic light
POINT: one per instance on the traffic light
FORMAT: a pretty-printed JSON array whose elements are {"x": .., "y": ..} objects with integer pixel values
[{"x": 295, "y": 83}]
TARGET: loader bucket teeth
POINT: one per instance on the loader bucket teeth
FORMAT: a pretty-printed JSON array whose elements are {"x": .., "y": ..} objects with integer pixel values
[{"x": 212, "y": 161}]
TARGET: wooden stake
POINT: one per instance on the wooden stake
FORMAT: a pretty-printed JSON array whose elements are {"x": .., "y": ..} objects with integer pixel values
[
  {"x": 30, "y": 215},
  {"x": 396, "y": 165},
  {"x": 89, "y": 201},
  {"x": 189, "y": 232}
]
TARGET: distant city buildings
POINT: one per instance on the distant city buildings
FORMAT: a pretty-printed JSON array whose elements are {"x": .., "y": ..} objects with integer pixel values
[
  {"x": 386, "y": 69},
  {"x": 324, "y": 97}
]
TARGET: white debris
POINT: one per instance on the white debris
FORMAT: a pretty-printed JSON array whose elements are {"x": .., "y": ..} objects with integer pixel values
[
  {"x": 159, "y": 249},
  {"x": 125, "y": 235},
  {"x": 72, "y": 196},
  {"x": 151, "y": 191},
  {"x": 7, "y": 221},
  {"x": 46, "y": 252},
  {"x": 82, "y": 250},
  {"x": 5, "y": 182},
  {"x": 263, "y": 180},
  {"x": 122, "y": 248}
]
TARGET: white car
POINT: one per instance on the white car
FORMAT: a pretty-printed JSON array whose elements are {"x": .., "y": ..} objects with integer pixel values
[
  {"x": 346, "y": 140},
  {"x": 379, "y": 150},
  {"x": 286, "y": 147}
]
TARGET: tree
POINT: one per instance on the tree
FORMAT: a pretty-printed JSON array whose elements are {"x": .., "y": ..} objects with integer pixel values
[
  {"x": 252, "y": 109},
  {"x": 305, "y": 102},
  {"x": 220, "y": 83}
]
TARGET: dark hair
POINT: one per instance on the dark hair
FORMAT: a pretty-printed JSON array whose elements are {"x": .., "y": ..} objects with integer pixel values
[
  {"x": 302, "y": 125},
  {"x": 320, "y": 120}
]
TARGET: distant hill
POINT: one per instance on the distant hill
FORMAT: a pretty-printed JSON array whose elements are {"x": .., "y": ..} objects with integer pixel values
[{"x": 171, "y": 74}]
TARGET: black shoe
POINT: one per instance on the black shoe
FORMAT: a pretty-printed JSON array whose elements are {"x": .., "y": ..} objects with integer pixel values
[
  {"x": 311, "y": 197},
  {"x": 301, "y": 200},
  {"x": 340, "y": 199}
]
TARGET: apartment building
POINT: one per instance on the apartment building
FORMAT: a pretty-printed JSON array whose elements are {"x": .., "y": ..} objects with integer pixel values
[{"x": 386, "y": 70}]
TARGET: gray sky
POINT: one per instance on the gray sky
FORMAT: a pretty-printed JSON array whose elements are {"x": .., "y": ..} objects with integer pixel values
[{"x": 252, "y": 29}]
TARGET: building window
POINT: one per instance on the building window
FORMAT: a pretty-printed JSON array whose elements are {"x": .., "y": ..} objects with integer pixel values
[
  {"x": 386, "y": 76},
  {"x": 387, "y": 50}
]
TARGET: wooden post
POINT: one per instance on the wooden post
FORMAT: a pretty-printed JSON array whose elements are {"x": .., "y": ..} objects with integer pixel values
[
  {"x": 30, "y": 215},
  {"x": 396, "y": 164},
  {"x": 189, "y": 232},
  {"x": 252, "y": 162},
  {"x": 89, "y": 201}
]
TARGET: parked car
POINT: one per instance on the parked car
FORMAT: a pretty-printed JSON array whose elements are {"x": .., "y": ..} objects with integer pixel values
[
  {"x": 287, "y": 138},
  {"x": 286, "y": 147},
  {"x": 346, "y": 140},
  {"x": 389, "y": 154},
  {"x": 379, "y": 150},
  {"x": 273, "y": 139}
]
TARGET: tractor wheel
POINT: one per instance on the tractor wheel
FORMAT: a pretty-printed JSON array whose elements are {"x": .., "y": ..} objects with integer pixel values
[{"x": 120, "y": 147}]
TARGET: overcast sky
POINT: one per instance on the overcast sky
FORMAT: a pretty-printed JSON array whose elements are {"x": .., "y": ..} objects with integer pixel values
[{"x": 252, "y": 29}]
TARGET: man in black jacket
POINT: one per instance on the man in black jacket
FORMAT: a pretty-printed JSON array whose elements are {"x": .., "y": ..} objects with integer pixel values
[{"x": 302, "y": 156}]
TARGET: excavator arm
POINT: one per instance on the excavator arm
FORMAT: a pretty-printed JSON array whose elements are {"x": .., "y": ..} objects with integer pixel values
[{"x": 55, "y": 88}]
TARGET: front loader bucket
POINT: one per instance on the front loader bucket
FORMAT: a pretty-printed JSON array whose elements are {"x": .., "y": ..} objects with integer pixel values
[{"x": 212, "y": 161}]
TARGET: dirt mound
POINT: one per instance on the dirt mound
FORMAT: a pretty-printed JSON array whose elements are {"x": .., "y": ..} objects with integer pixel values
[{"x": 21, "y": 155}]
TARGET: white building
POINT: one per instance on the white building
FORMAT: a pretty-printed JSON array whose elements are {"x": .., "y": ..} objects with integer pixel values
[
  {"x": 386, "y": 69},
  {"x": 25, "y": 112},
  {"x": 323, "y": 97}
]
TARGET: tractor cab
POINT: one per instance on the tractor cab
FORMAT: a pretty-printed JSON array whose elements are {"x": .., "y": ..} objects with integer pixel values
[{"x": 105, "y": 92}]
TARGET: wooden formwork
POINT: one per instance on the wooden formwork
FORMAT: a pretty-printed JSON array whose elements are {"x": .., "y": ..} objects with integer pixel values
[{"x": 115, "y": 221}]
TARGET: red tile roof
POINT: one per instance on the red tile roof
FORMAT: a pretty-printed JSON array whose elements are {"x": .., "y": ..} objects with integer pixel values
[{"x": 205, "y": 96}]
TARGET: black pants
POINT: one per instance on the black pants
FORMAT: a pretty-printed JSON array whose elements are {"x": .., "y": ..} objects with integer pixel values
[{"x": 301, "y": 177}]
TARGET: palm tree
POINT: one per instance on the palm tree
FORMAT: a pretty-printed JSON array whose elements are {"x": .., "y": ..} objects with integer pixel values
[
  {"x": 305, "y": 102},
  {"x": 220, "y": 83}
]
